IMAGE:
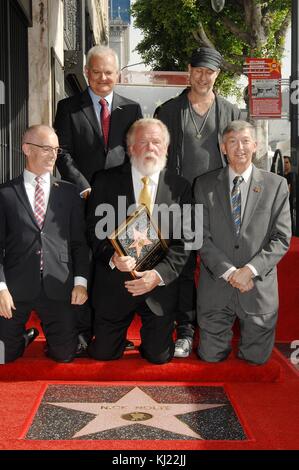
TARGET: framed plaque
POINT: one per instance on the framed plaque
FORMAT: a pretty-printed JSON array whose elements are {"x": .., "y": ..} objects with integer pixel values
[{"x": 139, "y": 237}]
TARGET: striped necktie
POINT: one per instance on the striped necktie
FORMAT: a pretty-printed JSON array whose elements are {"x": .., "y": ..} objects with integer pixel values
[
  {"x": 145, "y": 197},
  {"x": 236, "y": 203},
  {"x": 40, "y": 209},
  {"x": 39, "y": 202}
]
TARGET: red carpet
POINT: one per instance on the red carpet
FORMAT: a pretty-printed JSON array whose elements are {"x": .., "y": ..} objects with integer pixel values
[
  {"x": 268, "y": 412},
  {"x": 265, "y": 398},
  {"x": 288, "y": 278},
  {"x": 34, "y": 366}
]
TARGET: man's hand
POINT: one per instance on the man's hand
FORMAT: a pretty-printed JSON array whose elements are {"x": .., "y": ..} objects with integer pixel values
[
  {"x": 6, "y": 304},
  {"x": 124, "y": 264},
  {"x": 242, "y": 279},
  {"x": 147, "y": 281},
  {"x": 79, "y": 295},
  {"x": 86, "y": 193}
]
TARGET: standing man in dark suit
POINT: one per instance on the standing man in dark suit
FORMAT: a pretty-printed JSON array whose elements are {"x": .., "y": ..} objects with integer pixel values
[
  {"x": 92, "y": 128},
  {"x": 246, "y": 232},
  {"x": 43, "y": 252},
  {"x": 116, "y": 297},
  {"x": 195, "y": 120}
]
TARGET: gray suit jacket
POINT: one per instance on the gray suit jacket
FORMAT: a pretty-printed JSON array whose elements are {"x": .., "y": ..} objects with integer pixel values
[{"x": 263, "y": 240}]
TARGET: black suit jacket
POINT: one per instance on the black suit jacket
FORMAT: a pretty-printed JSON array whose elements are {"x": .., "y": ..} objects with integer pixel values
[
  {"x": 80, "y": 135},
  {"x": 109, "y": 293},
  {"x": 62, "y": 241}
]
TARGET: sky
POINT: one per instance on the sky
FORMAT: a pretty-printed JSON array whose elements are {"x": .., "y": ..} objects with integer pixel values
[{"x": 135, "y": 37}]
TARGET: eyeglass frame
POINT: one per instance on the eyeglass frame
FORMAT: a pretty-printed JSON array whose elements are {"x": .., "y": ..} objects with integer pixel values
[{"x": 48, "y": 148}]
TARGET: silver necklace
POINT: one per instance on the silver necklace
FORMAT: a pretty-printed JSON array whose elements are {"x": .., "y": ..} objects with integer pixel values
[{"x": 198, "y": 134}]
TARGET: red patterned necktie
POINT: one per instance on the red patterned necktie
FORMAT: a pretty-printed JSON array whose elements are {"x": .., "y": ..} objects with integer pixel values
[
  {"x": 39, "y": 209},
  {"x": 39, "y": 202},
  {"x": 105, "y": 119}
]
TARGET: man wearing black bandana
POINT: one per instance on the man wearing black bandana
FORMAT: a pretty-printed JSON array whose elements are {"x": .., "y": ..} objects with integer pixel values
[{"x": 195, "y": 120}]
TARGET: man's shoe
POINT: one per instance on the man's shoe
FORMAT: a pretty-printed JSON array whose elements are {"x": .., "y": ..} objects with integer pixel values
[
  {"x": 183, "y": 347},
  {"x": 30, "y": 336},
  {"x": 82, "y": 346},
  {"x": 129, "y": 345}
]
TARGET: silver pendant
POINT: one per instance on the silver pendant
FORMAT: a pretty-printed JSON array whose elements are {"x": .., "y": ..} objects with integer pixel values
[{"x": 198, "y": 136}]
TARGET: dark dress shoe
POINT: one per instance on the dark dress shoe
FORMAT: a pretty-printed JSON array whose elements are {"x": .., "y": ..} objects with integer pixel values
[
  {"x": 30, "y": 336},
  {"x": 129, "y": 345}
]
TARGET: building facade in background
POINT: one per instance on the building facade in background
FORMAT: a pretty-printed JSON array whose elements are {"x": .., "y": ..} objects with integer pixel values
[
  {"x": 43, "y": 46},
  {"x": 119, "y": 29},
  {"x": 120, "y": 9}
]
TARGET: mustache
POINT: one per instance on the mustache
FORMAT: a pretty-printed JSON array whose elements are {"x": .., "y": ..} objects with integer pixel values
[
  {"x": 140, "y": 165},
  {"x": 149, "y": 155}
]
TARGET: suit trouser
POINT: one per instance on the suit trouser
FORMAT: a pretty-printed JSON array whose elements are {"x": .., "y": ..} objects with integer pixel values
[
  {"x": 257, "y": 334},
  {"x": 85, "y": 312},
  {"x": 59, "y": 326},
  {"x": 185, "y": 313},
  {"x": 110, "y": 329}
]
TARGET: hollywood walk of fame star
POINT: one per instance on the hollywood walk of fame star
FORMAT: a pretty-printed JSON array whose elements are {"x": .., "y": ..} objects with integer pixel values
[
  {"x": 140, "y": 240},
  {"x": 137, "y": 407}
]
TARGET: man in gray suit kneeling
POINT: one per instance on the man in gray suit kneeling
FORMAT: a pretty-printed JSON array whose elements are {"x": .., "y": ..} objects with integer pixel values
[{"x": 247, "y": 230}]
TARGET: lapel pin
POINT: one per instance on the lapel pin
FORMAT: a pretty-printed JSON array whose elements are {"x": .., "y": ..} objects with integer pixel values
[{"x": 257, "y": 189}]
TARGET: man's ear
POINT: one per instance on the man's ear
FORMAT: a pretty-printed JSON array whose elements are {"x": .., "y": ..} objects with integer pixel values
[
  {"x": 25, "y": 149},
  {"x": 223, "y": 148}
]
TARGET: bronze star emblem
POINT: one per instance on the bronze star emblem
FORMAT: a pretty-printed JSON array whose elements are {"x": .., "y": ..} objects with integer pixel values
[{"x": 140, "y": 240}]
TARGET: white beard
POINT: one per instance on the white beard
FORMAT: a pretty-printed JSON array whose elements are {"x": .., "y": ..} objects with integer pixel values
[{"x": 148, "y": 168}]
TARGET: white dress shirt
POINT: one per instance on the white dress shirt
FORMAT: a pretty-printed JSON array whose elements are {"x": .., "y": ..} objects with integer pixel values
[
  {"x": 244, "y": 188},
  {"x": 30, "y": 184}
]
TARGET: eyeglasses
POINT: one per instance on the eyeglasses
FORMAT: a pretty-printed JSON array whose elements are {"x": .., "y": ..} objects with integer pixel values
[{"x": 48, "y": 149}]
